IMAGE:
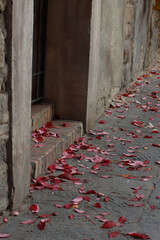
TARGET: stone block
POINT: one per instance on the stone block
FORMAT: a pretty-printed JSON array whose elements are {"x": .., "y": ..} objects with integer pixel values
[
  {"x": 3, "y": 154},
  {"x": 2, "y": 5},
  {"x": 3, "y": 186},
  {"x": 3, "y": 103},
  {"x": 129, "y": 13},
  {"x": 4, "y": 128},
  {"x": 2, "y": 50},
  {"x": 4, "y": 118},
  {"x": 129, "y": 30}
]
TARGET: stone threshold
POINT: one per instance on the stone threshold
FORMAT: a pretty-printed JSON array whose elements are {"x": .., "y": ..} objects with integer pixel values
[
  {"x": 52, "y": 147},
  {"x": 41, "y": 113}
]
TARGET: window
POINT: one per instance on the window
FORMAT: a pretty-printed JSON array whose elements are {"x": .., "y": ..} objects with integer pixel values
[{"x": 39, "y": 42}]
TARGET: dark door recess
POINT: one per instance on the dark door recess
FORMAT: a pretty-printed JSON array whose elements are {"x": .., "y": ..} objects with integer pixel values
[{"x": 39, "y": 42}]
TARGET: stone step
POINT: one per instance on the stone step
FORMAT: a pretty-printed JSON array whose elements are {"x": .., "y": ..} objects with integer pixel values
[
  {"x": 53, "y": 148},
  {"x": 41, "y": 113}
]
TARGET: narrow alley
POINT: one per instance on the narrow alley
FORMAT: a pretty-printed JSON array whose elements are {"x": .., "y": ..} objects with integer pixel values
[{"x": 106, "y": 185}]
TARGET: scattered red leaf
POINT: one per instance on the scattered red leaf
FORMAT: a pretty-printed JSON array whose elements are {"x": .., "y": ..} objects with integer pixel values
[
  {"x": 15, "y": 213},
  {"x": 114, "y": 234},
  {"x": 65, "y": 124},
  {"x": 86, "y": 198},
  {"x": 136, "y": 205},
  {"x": 41, "y": 225},
  {"x": 155, "y": 145},
  {"x": 28, "y": 221},
  {"x": 5, "y": 219},
  {"x": 122, "y": 219},
  {"x": 71, "y": 216},
  {"x": 68, "y": 206},
  {"x": 4, "y": 235},
  {"x": 58, "y": 205},
  {"x": 34, "y": 208},
  {"x": 97, "y": 205},
  {"x": 109, "y": 224},
  {"x": 153, "y": 207},
  {"x": 106, "y": 199},
  {"x": 138, "y": 235},
  {"x": 91, "y": 192},
  {"x": 102, "y": 122},
  {"x": 79, "y": 211}
]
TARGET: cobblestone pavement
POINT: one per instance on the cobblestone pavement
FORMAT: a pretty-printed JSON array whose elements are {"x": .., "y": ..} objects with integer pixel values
[{"x": 109, "y": 178}]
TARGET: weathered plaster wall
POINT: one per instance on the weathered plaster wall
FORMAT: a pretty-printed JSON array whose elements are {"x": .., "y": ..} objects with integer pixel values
[
  {"x": 4, "y": 116},
  {"x": 106, "y": 56},
  {"x": 20, "y": 75},
  {"x": 111, "y": 52}
]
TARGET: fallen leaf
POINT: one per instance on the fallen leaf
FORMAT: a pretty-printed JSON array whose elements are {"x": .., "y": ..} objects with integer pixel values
[
  {"x": 15, "y": 213},
  {"x": 34, "y": 208},
  {"x": 41, "y": 225},
  {"x": 58, "y": 205},
  {"x": 137, "y": 205},
  {"x": 102, "y": 122},
  {"x": 114, "y": 234},
  {"x": 91, "y": 192},
  {"x": 79, "y": 211},
  {"x": 138, "y": 235},
  {"x": 106, "y": 199},
  {"x": 5, "y": 219},
  {"x": 153, "y": 207},
  {"x": 4, "y": 235},
  {"x": 28, "y": 221},
  {"x": 109, "y": 224},
  {"x": 68, "y": 206},
  {"x": 122, "y": 219},
  {"x": 97, "y": 205},
  {"x": 71, "y": 216}
]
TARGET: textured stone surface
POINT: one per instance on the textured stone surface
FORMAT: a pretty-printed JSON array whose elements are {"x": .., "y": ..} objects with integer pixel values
[{"x": 4, "y": 115}]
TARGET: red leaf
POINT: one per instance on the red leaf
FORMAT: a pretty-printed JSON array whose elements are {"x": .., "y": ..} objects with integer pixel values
[
  {"x": 122, "y": 219},
  {"x": 153, "y": 207},
  {"x": 5, "y": 219},
  {"x": 114, "y": 234},
  {"x": 71, "y": 216},
  {"x": 4, "y": 235},
  {"x": 41, "y": 225},
  {"x": 77, "y": 199},
  {"x": 58, "y": 205},
  {"x": 97, "y": 205},
  {"x": 52, "y": 168},
  {"x": 106, "y": 199},
  {"x": 102, "y": 122},
  {"x": 91, "y": 192},
  {"x": 68, "y": 206},
  {"x": 98, "y": 137},
  {"x": 138, "y": 235},
  {"x": 15, "y": 213},
  {"x": 49, "y": 125},
  {"x": 79, "y": 211},
  {"x": 45, "y": 215},
  {"x": 109, "y": 224},
  {"x": 65, "y": 124},
  {"x": 155, "y": 145},
  {"x": 28, "y": 221},
  {"x": 34, "y": 208},
  {"x": 86, "y": 198},
  {"x": 137, "y": 205}
]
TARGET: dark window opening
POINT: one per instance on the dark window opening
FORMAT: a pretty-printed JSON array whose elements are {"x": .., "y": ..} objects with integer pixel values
[{"x": 39, "y": 42}]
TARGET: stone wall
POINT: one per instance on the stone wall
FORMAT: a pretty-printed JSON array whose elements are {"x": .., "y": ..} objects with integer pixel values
[
  {"x": 141, "y": 38},
  {"x": 4, "y": 116}
]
